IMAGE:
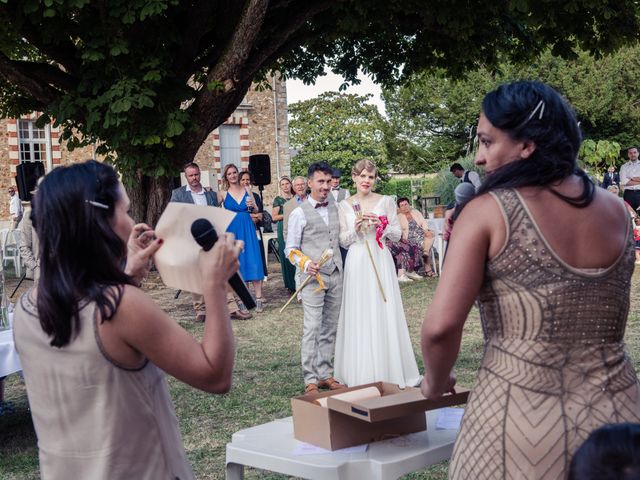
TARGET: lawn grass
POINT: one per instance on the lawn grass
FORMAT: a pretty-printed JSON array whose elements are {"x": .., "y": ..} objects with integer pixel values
[{"x": 267, "y": 374}]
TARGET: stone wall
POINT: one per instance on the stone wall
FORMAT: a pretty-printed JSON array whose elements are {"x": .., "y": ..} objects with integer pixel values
[
  {"x": 264, "y": 129},
  {"x": 6, "y": 177}
]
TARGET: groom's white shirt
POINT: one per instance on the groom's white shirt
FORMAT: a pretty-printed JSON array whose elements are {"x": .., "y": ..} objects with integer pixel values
[{"x": 297, "y": 222}]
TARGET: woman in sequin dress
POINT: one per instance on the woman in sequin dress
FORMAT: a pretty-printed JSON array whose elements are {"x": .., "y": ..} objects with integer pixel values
[{"x": 549, "y": 259}]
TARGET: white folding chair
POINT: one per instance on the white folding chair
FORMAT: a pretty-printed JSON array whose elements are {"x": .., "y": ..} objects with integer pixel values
[{"x": 10, "y": 242}]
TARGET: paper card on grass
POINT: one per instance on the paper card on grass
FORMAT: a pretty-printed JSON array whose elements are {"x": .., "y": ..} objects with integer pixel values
[
  {"x": 308, "y": 449},
  {"x": 177, "y": 259},
  {"x": 449, "y": 418}
]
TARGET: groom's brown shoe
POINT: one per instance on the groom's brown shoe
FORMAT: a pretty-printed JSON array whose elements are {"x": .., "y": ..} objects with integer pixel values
[
  {"x": 331, "y": 383},
  {"x": 311, "y": 388}
]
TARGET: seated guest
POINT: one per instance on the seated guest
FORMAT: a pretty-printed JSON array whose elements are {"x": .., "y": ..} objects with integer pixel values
[
  {"x": 415, "y": 244},
  {"x": 611, "y": 178},
  {"x": 94, "y": 347}
]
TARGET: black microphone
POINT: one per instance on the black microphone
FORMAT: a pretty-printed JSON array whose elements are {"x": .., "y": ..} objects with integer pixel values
[{"x": 205, "y": 234}]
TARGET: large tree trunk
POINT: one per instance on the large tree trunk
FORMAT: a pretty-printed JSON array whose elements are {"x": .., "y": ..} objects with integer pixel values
[{"x": 149, "y": 196}]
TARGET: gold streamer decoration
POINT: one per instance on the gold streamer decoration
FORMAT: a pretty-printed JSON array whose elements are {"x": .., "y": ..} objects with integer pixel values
[{"x": 326, "y": 256}]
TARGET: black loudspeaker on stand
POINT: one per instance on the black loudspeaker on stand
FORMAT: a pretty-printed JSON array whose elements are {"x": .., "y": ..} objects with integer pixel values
[
  {"x": 27, "y": 175},
  {"x": 260, "y": 170}
]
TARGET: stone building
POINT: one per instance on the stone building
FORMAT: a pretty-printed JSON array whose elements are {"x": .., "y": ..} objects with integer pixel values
[{"x": 258, "y": 126}]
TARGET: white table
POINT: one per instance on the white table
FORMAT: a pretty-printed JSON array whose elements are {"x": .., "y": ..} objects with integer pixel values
[
  {"x": 9, "y": 361},
  {"x": 270, "y": 447},
  {"x": 436, "y": 225}
]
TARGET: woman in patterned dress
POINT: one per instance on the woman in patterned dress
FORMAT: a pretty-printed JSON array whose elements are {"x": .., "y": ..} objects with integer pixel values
[{"x": 549, "y": 258}]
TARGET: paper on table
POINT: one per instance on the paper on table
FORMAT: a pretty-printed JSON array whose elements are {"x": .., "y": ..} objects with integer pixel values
[
  {"x": 353, "y": 396},
  {"x": 449, "y": 418},
  {"x": 307, "y": 449},
  {"x": 177, "y": 259}
]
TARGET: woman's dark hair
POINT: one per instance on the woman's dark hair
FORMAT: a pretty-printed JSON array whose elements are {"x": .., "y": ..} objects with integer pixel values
[
  {"x": 534, "y": 111},
  {"x": 611, "y": 452},
  {"x": 403, "y": 199},
  {"x": 80, "y": 254}
]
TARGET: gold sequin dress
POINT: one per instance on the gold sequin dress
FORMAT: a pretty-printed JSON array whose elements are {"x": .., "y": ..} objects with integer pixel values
[{"x": 554, "y": 367}]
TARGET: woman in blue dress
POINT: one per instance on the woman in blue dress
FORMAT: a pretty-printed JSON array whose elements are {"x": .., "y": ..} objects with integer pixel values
[{"x": 235, "y": 198}]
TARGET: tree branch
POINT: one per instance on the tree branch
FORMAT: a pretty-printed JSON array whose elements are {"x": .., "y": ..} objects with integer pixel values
[
  {"x": 62, "y": 52},
  {"x": 195, "y": 25},
  {"x": 227, "y": 73},
  {"x": 33, "y": 79},
  {"x": 273, "y": 50}
]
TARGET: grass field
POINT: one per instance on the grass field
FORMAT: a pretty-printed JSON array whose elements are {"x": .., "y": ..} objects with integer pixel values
[{"x": 267, "y": 374}]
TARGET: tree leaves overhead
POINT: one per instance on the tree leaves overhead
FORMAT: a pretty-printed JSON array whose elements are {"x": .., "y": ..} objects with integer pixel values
[
  {"x": 432, "y": 117},
  {"x": 150, "y": 79}
]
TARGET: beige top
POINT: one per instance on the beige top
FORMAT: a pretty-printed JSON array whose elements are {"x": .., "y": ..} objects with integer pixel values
[
  {"x": 404, "y": 222},
  {"x": 93, "y": 418}
]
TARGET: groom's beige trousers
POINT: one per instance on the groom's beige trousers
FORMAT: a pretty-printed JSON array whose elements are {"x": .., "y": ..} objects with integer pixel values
[{"x": 321, "y": 313}]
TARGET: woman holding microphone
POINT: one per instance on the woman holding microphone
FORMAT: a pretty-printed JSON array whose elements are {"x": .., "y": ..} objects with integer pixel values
[{"x": 95, "y": 348}]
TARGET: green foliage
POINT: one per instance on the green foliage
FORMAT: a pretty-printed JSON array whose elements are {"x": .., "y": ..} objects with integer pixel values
[
  {"x": 599, "y": 155},
  {"x": 434, "y": 115},
  {"x": 339, "y": 129},
  {"x": 446, "y": 182},
  {"x": 434, "y": 118},
  {"x": 397, "y": 188},
  {"x": 429, "y": 185},
  {"x": 150, "y": 79}
]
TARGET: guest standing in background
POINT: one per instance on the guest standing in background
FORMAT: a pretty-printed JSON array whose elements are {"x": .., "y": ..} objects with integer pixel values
[
  {"x": 465, "y": 176},
  {"x": 338, "y": 193},
  {"x": 15, "y": 208},
  {"x": 299, "y": 186},
  {"x": 256, "y": 210},
  {"x": 548, "y": 257},
  {"x": 235, "y": 198},
  {"x": 195, "y": 193},
  {"x": 277, "y": 213},
  {"x": 630, "y": 179}
]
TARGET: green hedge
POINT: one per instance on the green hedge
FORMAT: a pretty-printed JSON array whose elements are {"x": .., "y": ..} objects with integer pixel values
[{"x": 399, "y": 188}]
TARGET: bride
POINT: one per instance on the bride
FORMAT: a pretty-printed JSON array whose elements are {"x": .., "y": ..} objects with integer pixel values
[{"x": 372, "y": 341}]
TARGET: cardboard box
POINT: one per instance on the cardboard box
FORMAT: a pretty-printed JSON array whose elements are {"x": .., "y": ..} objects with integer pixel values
[{"x": 344, "y": 424}]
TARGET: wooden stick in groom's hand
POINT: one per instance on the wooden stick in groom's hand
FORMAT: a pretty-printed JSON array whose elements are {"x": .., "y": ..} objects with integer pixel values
[{"x": 326, "y": 256}]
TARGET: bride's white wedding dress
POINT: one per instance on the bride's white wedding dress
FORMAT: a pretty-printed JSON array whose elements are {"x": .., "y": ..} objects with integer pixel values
[{"x": 372, "y": 342}]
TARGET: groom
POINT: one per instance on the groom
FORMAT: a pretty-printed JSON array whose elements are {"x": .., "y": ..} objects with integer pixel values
[{"x": 313, "y": 228}]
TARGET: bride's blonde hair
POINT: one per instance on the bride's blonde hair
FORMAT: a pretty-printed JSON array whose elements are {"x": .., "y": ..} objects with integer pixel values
[{"x": 364, "y": 164}]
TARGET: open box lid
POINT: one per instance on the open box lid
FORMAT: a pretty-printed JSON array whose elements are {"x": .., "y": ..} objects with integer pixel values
[{"x": 394, "y": 405}]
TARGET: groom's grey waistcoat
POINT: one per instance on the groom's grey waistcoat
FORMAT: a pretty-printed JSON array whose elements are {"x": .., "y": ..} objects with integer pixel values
[{"x": 317, "y": 236}]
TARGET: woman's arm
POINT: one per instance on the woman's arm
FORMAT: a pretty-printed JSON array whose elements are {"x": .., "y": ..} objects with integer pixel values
[
  {"x": 347, "y": 232},
  {"x": 460, "y": 282},
  {"x": 419, "y": 218},
  {"x": 277, "y": 212},
  {"x": 393, "y": 231},
  {"x": 142, "y": 326},
  {"x": 257, "y": 216}
]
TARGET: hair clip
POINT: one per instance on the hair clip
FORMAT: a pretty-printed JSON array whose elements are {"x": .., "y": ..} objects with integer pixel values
[
  {"x": 97, "y": 204},
  {"x": 539, "y": 106}
]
